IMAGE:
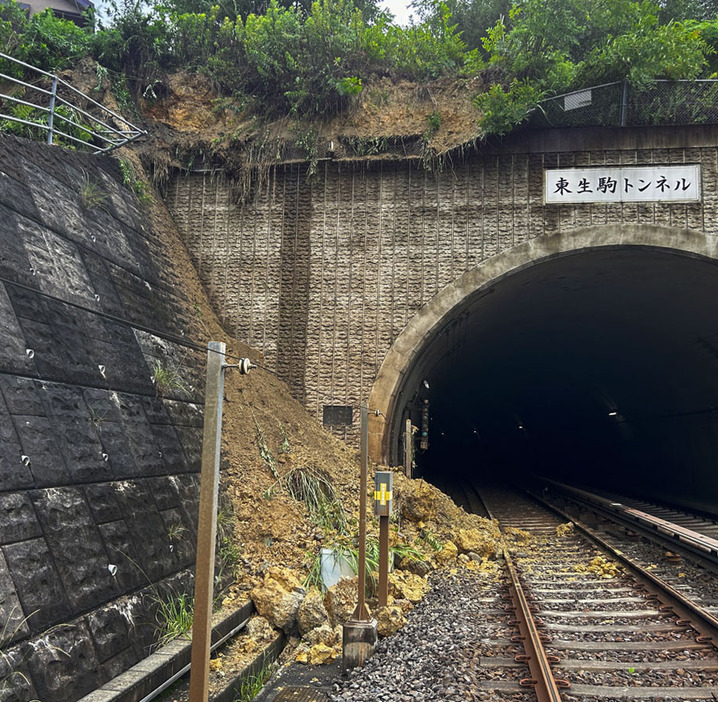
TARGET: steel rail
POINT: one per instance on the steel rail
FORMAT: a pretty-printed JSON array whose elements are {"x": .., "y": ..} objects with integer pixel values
[
  {"x": 700, "y": 541},
  {"x": 39, "y": 125},
  {"x": 692, "y": 541},
  {"x": 5, "y": 76},
  {"x": 111, "y": 137},
  {"x": 689, "y": 613},
  {"x": 66, "y": 84},
  {"x": 18, "y": 101},
  {"x": 97, "y": 120},
  {"x": 542, "y": 680}
]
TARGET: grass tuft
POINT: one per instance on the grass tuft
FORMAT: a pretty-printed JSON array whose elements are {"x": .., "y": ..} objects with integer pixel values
[
  {"x": 13, "y": 680},
  {"x": 91, "y": 195},
  {"x": 229, "y": 553},
  {"x": 264, "y": 452},
  {"x": 250, "y": 685},
  {"x": 167, "y": 379},
  {"x": 174, "y": 616},
  {"x": 431, "y": 540},
  {"x": 313, "y": 486}
]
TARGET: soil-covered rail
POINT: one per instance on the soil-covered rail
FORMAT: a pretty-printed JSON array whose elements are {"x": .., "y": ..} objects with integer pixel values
[{"x": 612, "y": 634}]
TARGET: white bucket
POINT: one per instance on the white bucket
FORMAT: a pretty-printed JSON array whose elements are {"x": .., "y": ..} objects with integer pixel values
[{"x": 334, "y": 567}]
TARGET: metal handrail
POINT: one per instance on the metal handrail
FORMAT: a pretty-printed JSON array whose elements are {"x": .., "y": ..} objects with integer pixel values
[{"x": 106, "y": 136}]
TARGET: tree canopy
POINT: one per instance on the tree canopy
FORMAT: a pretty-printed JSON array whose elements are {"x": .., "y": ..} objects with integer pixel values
[
  {"x": 548, "y": 47},
  {"x": 309, "y": 59}
]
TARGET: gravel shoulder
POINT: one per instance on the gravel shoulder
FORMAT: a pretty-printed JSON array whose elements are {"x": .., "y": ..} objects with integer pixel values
[{"x": 438, "y": 654}]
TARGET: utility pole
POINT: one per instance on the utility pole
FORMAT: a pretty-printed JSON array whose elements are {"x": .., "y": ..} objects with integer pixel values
[{"x": 207, "y": 523}]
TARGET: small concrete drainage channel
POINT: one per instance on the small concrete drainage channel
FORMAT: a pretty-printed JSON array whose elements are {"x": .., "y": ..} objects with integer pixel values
[{"x": 151, "y": 676}]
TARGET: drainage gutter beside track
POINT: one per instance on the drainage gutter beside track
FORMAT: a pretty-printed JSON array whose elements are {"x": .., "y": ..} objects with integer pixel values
[{"x": 158, "y": 671}]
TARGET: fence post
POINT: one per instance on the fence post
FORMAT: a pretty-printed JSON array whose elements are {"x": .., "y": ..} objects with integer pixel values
[
  {"x": 51, "y": 118},
  {"x": 207, "y": 527},
  {"x": 624, "y": 103}
]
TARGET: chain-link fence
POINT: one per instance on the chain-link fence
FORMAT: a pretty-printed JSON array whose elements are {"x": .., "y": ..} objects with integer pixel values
[{"x": 664, "y": 103}]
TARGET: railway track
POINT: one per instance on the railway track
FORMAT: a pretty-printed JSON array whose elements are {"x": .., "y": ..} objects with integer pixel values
[
  {"x": 681, "y": 553},
  {"x": 596, "y": 627},
  {"x": 692, "y": 533}
]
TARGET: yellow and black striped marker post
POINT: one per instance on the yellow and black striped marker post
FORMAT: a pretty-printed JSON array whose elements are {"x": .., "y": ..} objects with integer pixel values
[{"x": 383, "y": 502}]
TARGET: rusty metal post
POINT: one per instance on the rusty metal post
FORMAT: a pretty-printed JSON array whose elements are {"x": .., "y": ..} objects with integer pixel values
[
  {"x": 359, "y": 634},
  {"x": 207, "y": 527},
  {"x": 408, "y": 449},
  {"x": 624, "y": 103},
  {"x": 383, "y": 499},
  {"x": 361, "y": 614},
  {"x": 383, "y": 561}
]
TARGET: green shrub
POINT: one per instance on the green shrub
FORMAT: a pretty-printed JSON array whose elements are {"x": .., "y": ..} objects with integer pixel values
[
  {"x": 44, "y": 40},
  {"x": 504, "y": 109},
  {"x": 309, "y": 60},
  {"x": 569, "y": 44}
]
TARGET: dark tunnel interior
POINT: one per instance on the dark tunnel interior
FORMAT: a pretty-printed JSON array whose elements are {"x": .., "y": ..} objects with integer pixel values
[{"x": 598, "y": 368}]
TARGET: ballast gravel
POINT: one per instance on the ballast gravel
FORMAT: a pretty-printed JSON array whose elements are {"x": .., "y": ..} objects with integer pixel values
[{"x": 438, "y": 654}]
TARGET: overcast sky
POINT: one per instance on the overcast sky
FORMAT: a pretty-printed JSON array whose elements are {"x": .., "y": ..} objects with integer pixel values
[{"x": 399, "y": 9}]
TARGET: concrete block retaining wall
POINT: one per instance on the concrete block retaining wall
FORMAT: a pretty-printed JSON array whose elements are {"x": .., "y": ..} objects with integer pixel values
[
  {"x": 98, "y": 475},
  {"x": 323, "y": 273}
]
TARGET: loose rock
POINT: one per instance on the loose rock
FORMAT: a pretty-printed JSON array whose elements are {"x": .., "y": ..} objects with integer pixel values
[
  {"x": 279, "y": 598},
  {"x": 389, "y": 620},
  {"x": 312, "y": 612},
  {"x": 340, "y": 600},
  {"x": 478, "y": 542}
]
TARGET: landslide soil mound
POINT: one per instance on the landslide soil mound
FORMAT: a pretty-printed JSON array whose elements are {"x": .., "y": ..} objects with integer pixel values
[{"x": 267, "y": 436}]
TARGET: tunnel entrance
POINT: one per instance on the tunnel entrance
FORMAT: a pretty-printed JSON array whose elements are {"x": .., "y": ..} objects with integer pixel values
[{"x": 598, "y": 367}]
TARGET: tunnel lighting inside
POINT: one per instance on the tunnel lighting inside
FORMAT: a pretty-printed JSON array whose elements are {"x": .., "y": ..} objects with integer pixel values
[{"x": 599, "y": 367}]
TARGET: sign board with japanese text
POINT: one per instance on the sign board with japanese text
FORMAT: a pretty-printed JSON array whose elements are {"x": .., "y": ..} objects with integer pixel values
[{"x": 623, "y": 184}]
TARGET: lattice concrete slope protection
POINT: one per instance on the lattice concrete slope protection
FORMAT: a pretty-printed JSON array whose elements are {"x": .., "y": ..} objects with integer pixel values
[
  {"x": 98, "y": 476},
  {"x": 323, "y": 273}
]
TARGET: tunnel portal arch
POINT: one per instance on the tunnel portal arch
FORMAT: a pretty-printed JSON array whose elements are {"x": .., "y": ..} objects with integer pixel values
[{"x": 406, "y": 361}]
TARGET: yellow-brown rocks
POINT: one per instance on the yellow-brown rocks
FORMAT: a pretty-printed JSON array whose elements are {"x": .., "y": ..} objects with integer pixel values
[
  {"x": 340, "y": 600},
  {"x": 278, "y": 598},
  {"x": 318, "y": 655},
  {"x": 321, "y": 645},
  {"x": 389, "y": 620},
  {"x": 407, "y": 586},
  {"x": 312, "y": 612},
  {"x": 418, "y": 501},
  {"x": 476, "y": 541},
  {"x": 448, "y": 553}
]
